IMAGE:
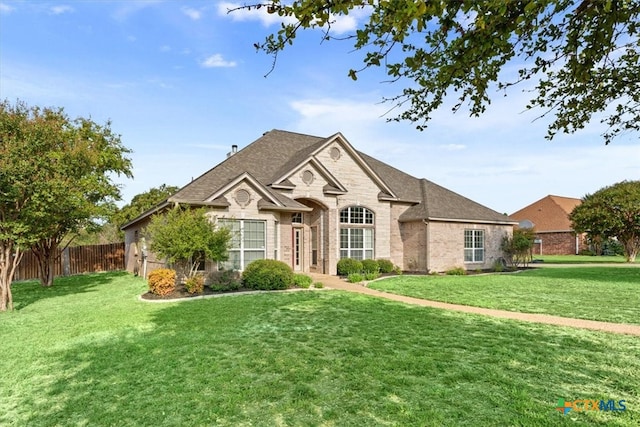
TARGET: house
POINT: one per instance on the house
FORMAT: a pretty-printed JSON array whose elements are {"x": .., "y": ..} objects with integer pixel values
[
  {"x": 549, "y": 217},
  {"x": 310, "y": 201}
]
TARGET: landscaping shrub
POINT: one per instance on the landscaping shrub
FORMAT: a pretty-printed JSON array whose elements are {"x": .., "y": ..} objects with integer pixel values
[
  {"x": 347, "y": 266},
  {"x": 397, "y": 270},
  {"x": 162, "y": 281},
  {"x": 371, "y": 275},
  {"x": 385, "y": 266},
  {"x": 267, "y": 274},
  {"x": 224, "y": 280},
  {"x": 355, "y": 278},
  {"x": 302, "y": 281},
  {"x": 318, "y": 285},
  {"x": 456, "y": 271},
  {"x": 195, "y": 284},
  {"x": 370, "y": 266}
]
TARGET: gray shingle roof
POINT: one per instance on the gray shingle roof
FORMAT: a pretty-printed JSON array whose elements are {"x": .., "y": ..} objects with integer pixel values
[{"x": 277, "y": 152}]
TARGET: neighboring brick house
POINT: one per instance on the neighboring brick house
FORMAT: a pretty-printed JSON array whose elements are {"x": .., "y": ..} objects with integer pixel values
[
  {"x": 310, "y": 201},
  {"x": 550, "y": 219}
]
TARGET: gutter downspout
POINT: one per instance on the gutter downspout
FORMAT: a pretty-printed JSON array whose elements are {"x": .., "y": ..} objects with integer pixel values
[{"x": 427, "y": 254}]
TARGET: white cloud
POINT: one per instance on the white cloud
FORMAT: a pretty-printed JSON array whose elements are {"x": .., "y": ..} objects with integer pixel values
[
  {"x": 165, "y": 48},
  {"x": 261, "y": 15},
  {"x": 339, "y": 24},
  {"x": 192, "y": 13},
  {"x": 5, "y": 8},
  {"x": 217, "y": 61},
  {"x": 59, "y": 10}
]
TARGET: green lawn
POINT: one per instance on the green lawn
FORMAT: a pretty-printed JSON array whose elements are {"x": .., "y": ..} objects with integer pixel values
[
  {"x": 580, "y": 259},
  {"x": 597, "y": 293},
  {"x": 87, "y": 352}
]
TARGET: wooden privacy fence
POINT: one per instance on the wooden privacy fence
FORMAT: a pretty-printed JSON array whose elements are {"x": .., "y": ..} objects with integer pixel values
[{"x": 76, "y": 260}]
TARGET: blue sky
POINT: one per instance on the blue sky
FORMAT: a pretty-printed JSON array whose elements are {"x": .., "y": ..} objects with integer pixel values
[{"x": 181, "y": 82}]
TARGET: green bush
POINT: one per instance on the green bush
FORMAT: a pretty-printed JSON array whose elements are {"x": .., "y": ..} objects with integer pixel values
[
  {"x": 355, "y": 278},
  {"x": 370, "y": 266},
  {"x": 397, "y": 270},
  {"x": 385, "y": 266},
  {"x": 224, "y": 280},
  {"x": 371, "y": 275},
  {"x": 162, "y": 281},
  {"x": 267, "y": 274},
  {"x": 456, "y": 271},
  {"x": 302, "y": 281},
  {"x": 318, "y": 285},
  {"x": 347, "y": 266},
  {"x": 195, "y": 284}
]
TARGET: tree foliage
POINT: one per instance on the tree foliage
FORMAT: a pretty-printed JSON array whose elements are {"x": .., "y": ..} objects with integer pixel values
[
  {"x": 611, "y": 212},
  {"x": 55, "y": 179},
  {"x": 582, "y": 55},
  {"x": 142, "y": 202},
  {"x": 186, "y": 237},
  {"x": 517, "y": 248}
]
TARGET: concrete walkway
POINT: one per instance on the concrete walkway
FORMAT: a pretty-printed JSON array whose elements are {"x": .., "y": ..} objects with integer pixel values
[{"x": 334, "y": 282}]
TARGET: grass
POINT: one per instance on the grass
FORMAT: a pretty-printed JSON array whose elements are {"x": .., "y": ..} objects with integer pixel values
[
  {"x": 87, "y": 352},
  {"x": 597, "y": 293},
  {"x": 581, "y": 259}
]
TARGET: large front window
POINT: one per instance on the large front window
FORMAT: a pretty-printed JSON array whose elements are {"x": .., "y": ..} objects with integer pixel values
[
  {"x": 356, "y": 233},
  {"x": 248, "y": 242},
  {"x": 473, "y": 245}
]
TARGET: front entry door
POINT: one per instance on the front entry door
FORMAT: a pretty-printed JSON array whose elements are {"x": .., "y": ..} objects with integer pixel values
[{"x": 298, "y": 250}]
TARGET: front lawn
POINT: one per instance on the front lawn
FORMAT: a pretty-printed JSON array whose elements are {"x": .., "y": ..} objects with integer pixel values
[
  {"x": 581, "y": 259},
  {"x": 87, "y": 352},
  {"x": 597, "y": 293}
]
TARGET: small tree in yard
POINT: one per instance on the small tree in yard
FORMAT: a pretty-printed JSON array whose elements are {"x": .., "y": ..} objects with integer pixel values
[
  {"x": 56, "y": 178},
  {"x": 611, "y": 212},
  {"x": 517, "y": 248},
  {"x": 186, "y": 237}
]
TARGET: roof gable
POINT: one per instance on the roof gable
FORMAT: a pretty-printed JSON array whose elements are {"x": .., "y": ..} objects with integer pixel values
[
  {"x": 551, "y": 213},
  {"x": 269, "y": 163}
]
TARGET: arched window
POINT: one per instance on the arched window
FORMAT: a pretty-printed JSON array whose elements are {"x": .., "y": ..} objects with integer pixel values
[{"x": 357, "y": 233}]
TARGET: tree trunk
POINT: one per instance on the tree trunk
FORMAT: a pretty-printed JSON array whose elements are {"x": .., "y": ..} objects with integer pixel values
[
  {"x": 9, "y": 260},
  {"x": 45, "y": 252}
]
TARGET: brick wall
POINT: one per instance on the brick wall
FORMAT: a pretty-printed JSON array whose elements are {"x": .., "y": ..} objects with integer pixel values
[{"x": 558, "y": 243}]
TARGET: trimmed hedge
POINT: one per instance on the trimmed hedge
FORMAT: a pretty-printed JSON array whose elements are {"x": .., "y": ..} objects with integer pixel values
[
  {"x": 267, "y": 274},
  {"x": 195, "y": 284},
  {"x": 162, "y": 281},
  {"x": 370, "y": 266},
  {"x": 347, "y": 266},
  {"x": 385, "y": 265}
]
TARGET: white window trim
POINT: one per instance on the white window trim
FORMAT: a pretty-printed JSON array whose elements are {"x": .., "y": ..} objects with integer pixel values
[{"x": 473, "y": 248}]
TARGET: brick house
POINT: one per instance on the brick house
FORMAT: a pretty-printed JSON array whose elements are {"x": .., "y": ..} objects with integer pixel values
[
  {"x": 310, "y": 201},
  {"x": 550, "y": 219}
]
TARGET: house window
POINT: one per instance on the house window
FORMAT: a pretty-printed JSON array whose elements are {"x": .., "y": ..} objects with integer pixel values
[
  {"x": 276, "y": 242},
  {"x": 296, "y": 218},
  {"x": 314, "y": 245},
  {"x": 356, "y": 241},
  {"x": 473, "y": 245},
  {"x": 248, "y": 242}
]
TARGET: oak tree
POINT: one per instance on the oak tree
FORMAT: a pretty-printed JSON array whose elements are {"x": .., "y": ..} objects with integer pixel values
[
  {"x": 611, "y": 212},
  {"x": 581, "y": 57}
]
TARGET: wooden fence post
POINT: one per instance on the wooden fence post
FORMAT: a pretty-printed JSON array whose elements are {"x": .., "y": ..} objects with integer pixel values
[{"x": 66, "y": 265}]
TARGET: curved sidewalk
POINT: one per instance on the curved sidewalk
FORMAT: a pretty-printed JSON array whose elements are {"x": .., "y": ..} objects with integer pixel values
[{"x": 335, "y": 282}]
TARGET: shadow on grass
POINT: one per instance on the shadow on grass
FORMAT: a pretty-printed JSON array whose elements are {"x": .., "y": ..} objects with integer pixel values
[
  {"x": 622, "y": 274},
  {"x": 28, "y": 292},
  {"x": 312, "y": 358}
]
